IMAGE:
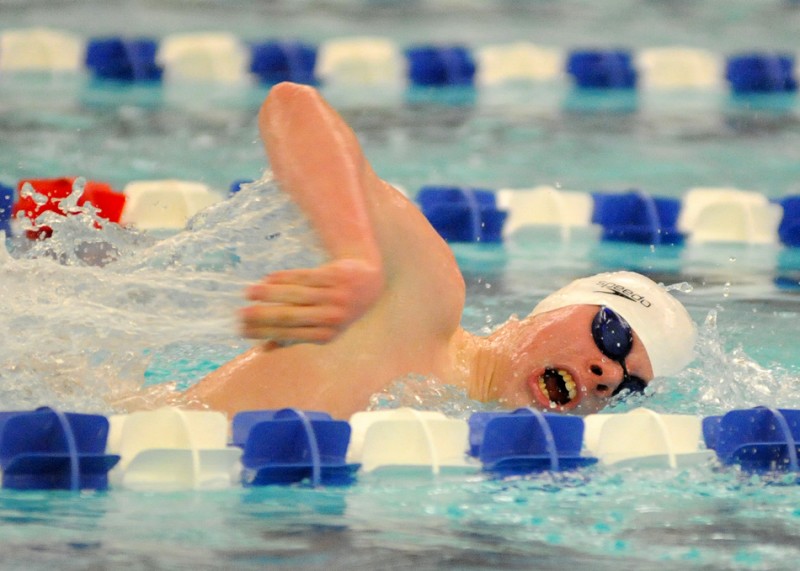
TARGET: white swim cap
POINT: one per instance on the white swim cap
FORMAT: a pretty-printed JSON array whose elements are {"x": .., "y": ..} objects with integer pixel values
[{"x": 659, "y": 319}]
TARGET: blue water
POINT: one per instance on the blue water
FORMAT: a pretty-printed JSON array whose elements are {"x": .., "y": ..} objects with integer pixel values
[{"x": 77, "y": 334}]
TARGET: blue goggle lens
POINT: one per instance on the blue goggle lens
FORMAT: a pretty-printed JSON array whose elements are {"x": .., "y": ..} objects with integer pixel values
[
  {"x": 612, "y": 334},
  {"x": 614, "y": 337}
]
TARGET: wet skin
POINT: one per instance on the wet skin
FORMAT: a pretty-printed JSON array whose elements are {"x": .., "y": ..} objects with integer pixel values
[
  {"x": 389, "y": 301},
  {"x": 558, "y": 340}
]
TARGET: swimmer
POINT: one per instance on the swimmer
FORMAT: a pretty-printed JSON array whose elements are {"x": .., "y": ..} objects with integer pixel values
[{"x": 388, "y": 302}]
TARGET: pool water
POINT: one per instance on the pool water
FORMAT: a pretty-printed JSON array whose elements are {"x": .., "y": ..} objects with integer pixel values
[{"x": 79, "y": 333}]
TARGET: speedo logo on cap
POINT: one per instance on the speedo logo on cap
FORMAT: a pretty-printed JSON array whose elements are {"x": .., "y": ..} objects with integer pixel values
[{"x": 620, "y": 290}]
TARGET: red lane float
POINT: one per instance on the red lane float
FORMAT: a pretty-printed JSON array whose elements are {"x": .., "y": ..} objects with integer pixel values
[{"x": 51, "y": 192}]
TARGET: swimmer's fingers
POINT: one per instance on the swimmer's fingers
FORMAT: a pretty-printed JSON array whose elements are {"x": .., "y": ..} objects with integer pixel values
[
  {"x": 288, "y": 315},
  {"x": 313, "y": 304},
  {"x": 279, "y": 316},
  {"x": 352, "y": 285},
  {"x": 284, "y": 325},
  {"x": 309, "y": 277},
  {"x": 289, "y": 294},
  {"x": 281, "y": 337},
  {"x": 346, "y": 272}
]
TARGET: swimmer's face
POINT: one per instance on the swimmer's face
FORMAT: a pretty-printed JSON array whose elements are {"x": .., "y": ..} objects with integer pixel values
[{"x": 555, "y": 364}]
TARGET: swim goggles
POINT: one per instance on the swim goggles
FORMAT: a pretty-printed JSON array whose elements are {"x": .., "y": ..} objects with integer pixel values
[{"x": 614, "y": 337}]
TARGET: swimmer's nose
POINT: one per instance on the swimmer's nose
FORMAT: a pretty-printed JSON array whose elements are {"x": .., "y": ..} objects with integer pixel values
[{"x": 604, "y": 378}]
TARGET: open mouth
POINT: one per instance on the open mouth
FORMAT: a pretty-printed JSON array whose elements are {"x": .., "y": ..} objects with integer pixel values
[{"x": 558, "y": 386}]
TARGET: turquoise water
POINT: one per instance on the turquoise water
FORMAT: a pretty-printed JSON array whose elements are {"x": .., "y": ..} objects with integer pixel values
[
  {"x": 604, "y": 521},
  {"x": 78, "y": 335}
]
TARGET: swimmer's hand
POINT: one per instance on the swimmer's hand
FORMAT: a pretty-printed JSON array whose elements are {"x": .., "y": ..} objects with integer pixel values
[{"x": 310, "y": 305}]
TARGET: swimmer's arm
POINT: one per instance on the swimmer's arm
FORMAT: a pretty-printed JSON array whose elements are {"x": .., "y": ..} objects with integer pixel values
[{"x": 316, "y": 158}]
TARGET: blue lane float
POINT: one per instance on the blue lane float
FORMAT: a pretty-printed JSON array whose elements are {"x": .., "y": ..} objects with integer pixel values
[
  {"x": 289, "y": 446},
  {"x": 526, "y": 441},
  {"x": 7, "y": 198},
  {"x": 596, "y": 69},
  {"x": 123, "y": 59},
  {"x": 462, "y": 214},
  {"x": 430, "y": 65},
  {"x": 789, "y": 228},
  {"x": 273, "y": 62},
  {"x": 47, "y": 449},
  {"x": 761, "y": 73},
  {"x": 438, "y": 66},
  {"x": 236, "y": 185},
  {"x": 637, "y": 217},
  {"x": 759, "y": 440}
]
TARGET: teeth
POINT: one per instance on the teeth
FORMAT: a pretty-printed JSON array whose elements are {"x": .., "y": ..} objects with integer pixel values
[
  {"x": 572, "y": 388},
  {"x": 569, "y": 383},
  {"x": 542, "y": 386}
]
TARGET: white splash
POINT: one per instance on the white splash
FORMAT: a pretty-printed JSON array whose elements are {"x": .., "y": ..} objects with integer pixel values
[
  {"x": 87, "y": 311},
  {"x": 427, "y": 393},
  {"x": 723, "y": 379},
  {"x": 683, "y": 287}
]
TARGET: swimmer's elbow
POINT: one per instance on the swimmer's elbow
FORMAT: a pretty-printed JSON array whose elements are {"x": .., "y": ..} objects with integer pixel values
[
  {"x": 283, "y": 98},
  {"x": 288, "y": 89}
]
